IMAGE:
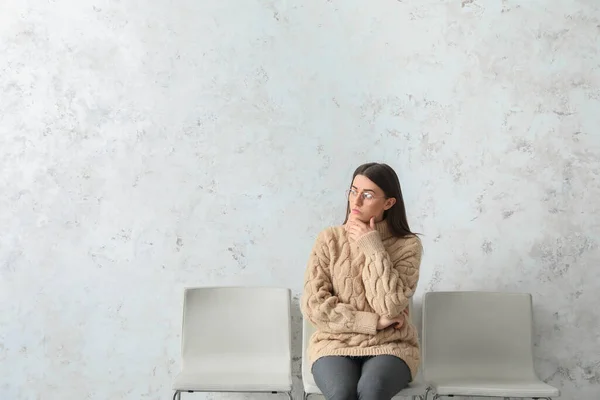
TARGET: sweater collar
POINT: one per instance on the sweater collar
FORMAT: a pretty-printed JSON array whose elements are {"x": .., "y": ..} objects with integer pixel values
[{"x": 383, "y": 228}]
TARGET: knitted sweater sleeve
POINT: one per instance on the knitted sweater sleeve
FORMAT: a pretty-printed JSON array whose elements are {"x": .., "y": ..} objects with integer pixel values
[
  {"x": 390, "y": 276},
  {"x": 319, "y": 304}
]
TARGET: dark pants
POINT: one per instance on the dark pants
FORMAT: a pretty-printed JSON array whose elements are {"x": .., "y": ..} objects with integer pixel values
[{"x": 364, "y": 378}]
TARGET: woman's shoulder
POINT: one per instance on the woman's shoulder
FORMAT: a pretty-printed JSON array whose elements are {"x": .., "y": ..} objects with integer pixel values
[
  {"x": 408, "y": 243},
  {"x": 327, "y": 240},
  {"x": 411, "y": 239},
  {"x": 331, "y": 234}
]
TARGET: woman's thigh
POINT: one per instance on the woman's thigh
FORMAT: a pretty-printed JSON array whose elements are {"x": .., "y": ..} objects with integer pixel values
[
  {"x": 383, "y": 377},
  {"x": 337, "y": 377}
]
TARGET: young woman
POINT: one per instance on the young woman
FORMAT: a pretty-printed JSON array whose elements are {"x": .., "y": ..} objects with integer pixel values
[{"x": 358, "y": 283}]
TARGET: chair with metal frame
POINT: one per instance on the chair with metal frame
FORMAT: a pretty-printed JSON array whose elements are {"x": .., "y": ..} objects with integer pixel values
[
  {"x": 480, "y": 344},
  {"x": 235, "y": 339}
]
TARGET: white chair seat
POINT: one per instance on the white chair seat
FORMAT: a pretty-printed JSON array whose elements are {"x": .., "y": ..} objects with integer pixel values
[
  {"x": 416, "y": 388},
  {"x": 311, "y": 387},
  {"x": 499, "y": 388},
  {"x": 217, "y": 381}
]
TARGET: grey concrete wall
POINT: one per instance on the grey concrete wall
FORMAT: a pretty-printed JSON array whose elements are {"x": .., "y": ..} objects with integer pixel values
[{"x": 148, "y": 146}]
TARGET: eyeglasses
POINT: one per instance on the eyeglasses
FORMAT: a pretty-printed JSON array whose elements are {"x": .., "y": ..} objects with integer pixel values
[{"x": 366, "y": 196}]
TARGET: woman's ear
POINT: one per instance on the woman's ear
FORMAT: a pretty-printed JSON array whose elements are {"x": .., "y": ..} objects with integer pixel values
[{"x": 389, "y": 203}]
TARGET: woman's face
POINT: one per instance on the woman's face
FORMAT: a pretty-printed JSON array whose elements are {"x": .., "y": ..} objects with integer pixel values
[{"x": 366, "y": 200}]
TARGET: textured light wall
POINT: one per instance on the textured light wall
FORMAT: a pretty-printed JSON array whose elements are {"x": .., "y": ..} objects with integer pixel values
[{"x": 148, "y": 146}]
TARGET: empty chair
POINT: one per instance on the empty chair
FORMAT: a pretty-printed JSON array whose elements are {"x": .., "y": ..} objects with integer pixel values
[
  {"x": 235, "y": 339},
  {"x": 480, "y": 344},
  {"x": 414, "y": 391}
]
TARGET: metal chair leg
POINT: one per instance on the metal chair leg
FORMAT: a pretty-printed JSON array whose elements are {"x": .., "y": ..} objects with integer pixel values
[
  {"x": 427, "y": 389},
  {"x": 177, "y": 395}
]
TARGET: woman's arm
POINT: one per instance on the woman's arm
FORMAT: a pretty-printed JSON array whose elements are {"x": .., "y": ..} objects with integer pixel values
[
  {"x": 390, "y": 276},
  {"x": 324, "y": 310}
]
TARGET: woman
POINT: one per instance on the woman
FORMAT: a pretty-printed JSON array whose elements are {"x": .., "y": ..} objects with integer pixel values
[{"x": 358, "y": 283}]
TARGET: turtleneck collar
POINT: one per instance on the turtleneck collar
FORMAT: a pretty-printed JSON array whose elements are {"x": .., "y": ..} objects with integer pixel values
[{"x": 383, "y": 228}]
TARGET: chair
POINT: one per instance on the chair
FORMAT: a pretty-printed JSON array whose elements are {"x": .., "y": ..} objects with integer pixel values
[
  {"x": 480, "y": 344},
  {"x": 235, "y": 339},
  {"x": 415, "y": 390}
]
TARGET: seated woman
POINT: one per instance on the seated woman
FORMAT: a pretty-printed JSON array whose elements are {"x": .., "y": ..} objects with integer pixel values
[{"x": 358, "y": 282}]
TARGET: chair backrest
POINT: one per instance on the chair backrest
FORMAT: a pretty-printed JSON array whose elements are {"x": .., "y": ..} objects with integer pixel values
[
  {"x": 477, "y": 335},
  {"x": 245, "y": 327},
  {"x": 307, "y": 331}
]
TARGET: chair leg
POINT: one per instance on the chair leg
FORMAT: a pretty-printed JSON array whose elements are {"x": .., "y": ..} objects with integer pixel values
[
  {"x": 427, "y": 390},
  {"x": 289, "y": 394},
  {"x": 177, "y": 395}
]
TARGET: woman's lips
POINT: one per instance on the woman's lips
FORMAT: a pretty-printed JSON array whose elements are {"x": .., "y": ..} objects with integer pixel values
[{"x": 355, "y": 211}]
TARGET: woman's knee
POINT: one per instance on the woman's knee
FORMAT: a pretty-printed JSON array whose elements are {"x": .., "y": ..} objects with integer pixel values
[
  {"x": 383, "y": 377},
  {"x": 373, "y": 388},
  {"x": 337, "y": 377},
  {"x": 341, "y": 391}
]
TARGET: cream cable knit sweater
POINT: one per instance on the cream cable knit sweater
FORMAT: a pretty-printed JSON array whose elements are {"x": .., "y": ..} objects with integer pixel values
[{"x": 348, "y": 286}]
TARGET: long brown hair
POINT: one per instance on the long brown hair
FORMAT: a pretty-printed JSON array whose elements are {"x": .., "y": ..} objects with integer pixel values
[{"x": 385, "y": 177}]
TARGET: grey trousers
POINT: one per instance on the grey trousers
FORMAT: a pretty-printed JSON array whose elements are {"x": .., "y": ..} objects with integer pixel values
[{"x": 364, "y": 378}]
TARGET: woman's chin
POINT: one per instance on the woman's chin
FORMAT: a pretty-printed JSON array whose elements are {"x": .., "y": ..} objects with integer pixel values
[{"x": 362, "y": 218}]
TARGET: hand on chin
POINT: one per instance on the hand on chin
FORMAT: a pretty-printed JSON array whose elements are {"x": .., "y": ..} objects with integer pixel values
[{"x": 356, "y": 228}]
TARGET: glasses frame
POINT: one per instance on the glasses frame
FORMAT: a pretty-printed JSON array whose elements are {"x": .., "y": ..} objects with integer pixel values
[{"x": 373, "y": 197}]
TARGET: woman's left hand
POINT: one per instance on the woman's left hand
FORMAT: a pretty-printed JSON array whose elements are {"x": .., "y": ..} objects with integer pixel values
[
  {"x": 403, "y": 318},
  {"x": 357, "y": 229}
]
